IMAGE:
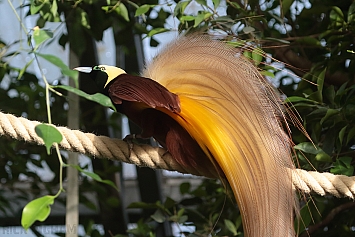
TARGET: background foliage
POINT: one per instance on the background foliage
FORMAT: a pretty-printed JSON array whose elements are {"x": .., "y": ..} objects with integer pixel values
[{"x": 306, "y": 47}]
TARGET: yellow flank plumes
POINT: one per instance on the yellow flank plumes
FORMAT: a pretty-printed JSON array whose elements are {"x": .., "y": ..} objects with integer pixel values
[{"x": 235, "y": 116}]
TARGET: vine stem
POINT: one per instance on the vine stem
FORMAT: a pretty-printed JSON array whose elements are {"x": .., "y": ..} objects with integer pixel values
[{"x": 47, "y": 89}]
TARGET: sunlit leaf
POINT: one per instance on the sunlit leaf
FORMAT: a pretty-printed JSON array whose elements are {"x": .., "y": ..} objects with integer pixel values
[
  {"x": 180, "y": 7},
  {"x": 49, "y": 134},
  {"x": 35, "y": 8},
  {"x": 201, "y": 17},
  {"x": 323, "y": 157},
  {"x": 186, "y": 18},
  {"x": 157, "y": 31},
  {"x": 142, "y": 10},
  {"x": 216, "y": 3},
  {"x": 38, "y": 209},
  {"x": 122, "y": 11},
  {"x": 98, "y": 97},
  {"x": 337, "y": 17},
  {"x": 267, "y": 73},
  {"x": 54, "y": 8},
  {"x": 231, "y": 227},
  {"x": 202, "y": 2},
  {"x": 39, "y": 35},
  {"x": 257, "y": 56},
  {"x": 84, "y": 19}
]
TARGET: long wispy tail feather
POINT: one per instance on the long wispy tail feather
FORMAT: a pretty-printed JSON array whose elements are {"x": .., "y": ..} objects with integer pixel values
[{"x": 236, "y": 118}]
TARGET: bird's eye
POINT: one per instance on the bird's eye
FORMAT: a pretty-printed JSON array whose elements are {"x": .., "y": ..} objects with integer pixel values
[{"x": 98, "y": 68}]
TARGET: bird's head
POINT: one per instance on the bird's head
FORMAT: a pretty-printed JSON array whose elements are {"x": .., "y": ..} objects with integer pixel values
[{"x": 102, "y": 74}]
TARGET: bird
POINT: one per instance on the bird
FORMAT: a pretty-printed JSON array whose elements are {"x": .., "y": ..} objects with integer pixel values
[{"x": 210, "y": 107}]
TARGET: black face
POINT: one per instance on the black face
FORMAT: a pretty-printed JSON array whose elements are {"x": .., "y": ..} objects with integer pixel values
[{"x": 99, "y": 75}]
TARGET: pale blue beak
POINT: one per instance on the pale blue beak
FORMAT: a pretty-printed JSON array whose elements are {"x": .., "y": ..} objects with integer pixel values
[{"x": 83, "y": 69}]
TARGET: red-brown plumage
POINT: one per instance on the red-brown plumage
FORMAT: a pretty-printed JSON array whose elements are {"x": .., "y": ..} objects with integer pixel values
[
  {"x": 147, "y": 103},
  {"x": 139, "y": 89}
]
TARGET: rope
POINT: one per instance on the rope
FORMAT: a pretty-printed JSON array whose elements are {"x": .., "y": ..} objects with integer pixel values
[{"x": 158, "y": 158}]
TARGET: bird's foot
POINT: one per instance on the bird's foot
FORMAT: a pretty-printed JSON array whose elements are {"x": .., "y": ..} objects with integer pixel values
[{"x": 132, "y": 139}]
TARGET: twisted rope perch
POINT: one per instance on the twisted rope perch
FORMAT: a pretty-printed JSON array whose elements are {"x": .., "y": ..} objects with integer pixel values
[{"x": 159, "y": 158}]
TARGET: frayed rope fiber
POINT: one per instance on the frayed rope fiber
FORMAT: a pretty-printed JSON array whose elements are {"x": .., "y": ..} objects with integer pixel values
[{"x": 20, "y": 128}]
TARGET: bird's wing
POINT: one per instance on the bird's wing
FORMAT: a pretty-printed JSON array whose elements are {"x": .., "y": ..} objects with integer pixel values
[{"x": 139, "y": 89}]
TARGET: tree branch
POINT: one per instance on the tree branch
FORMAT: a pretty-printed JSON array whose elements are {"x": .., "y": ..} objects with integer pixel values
[
  {"x": 332, "y": 214},
  {"x": 300, "y": 66}
]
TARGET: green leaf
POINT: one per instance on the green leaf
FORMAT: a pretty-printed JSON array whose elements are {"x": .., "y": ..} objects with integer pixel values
[
  {"x": 320, "y": 83},
  {"x": 277, "y": 40},
  {"x": 98, "y": 97},
  {"x": 201, "y": 17},
  {"x": 84, "y": 19},
  {"x": 341, "y": 134},
  {"x": 49, "y": 134},
  {"x": 231, "y": 227},
  {"x": 122, "y": 11},
  {"x": 169, "y": 203},
  {"x": 329, "y": 94},
  {"x": 216, "y": 3},
  {"x": 343, "y": 166},
  {"x": 294, "y": 99},
  {"x": 185, "y": 187},
  {"x": 323, "y": 157},
  {"x": 106, "y": 8},
  {"x": 142, "y": 205},
  {"x": 24, "y": 69},
  {"x": 95, "y": 176},
  {"x": 337, "y": 17},
  {"x": 305, "y": 218},
  {"x": 247, "y": 54},
  {"x": 142, "y": 10},
  {"x": 309, "y": 41},
  {"x": 351, "y": 134},
  {"x": 34, "y": 9},
  {"x": 248, "y": 29},
  {"x": 257, "y": 56},
  {"x": 157, "y": 31},
  {"x": 180, "y": 7},
  {"x": 187, "y": 18},
  {"x": 158, "y": 216},
  {"x": 63, "y": 67},
  {"x": 54, "y": 8},
  {"x": 40, "y": 36},
  {"x": 351, "y": 13},
  {"x": 37, "y": 209},
  {"x": 308, "y": 147},
  {"x": 202, "y": 2},
  {"x": 330, "y": 112},
  {"x": 267, "y": 73}
]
